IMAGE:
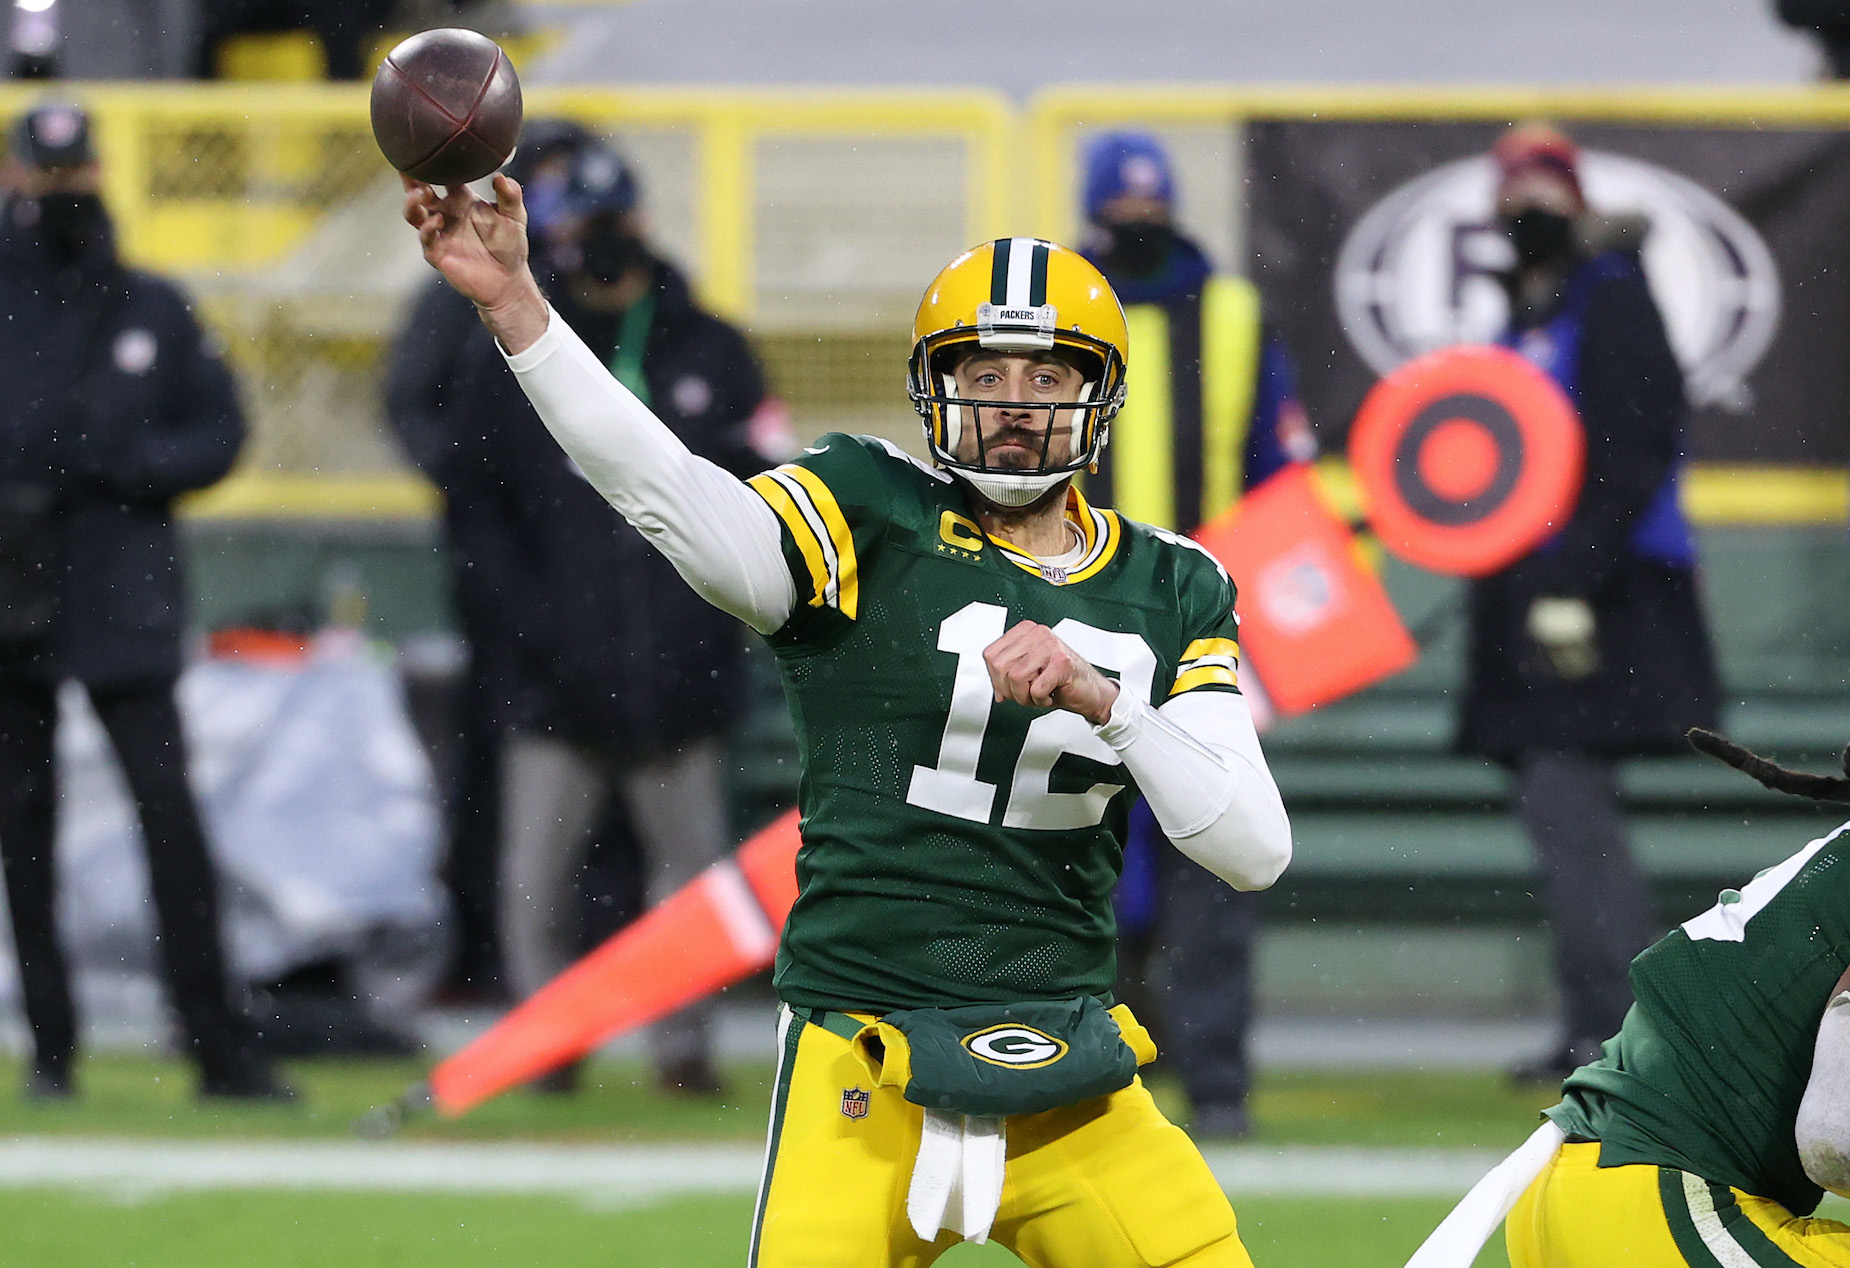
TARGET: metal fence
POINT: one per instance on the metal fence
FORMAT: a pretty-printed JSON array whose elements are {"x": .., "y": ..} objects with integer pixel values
[{"x": 812, "y": 217}]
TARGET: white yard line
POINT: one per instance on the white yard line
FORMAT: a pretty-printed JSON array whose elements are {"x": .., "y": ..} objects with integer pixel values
[
  {"x": 626, "y": 1175},
  {"x": 1334, "y": 1170}
]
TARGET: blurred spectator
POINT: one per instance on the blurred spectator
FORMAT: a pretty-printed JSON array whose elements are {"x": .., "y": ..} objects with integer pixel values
[
  {"x": 633, "y": 678},
  {"x": 1174, "y": 461},
  {"x": 117, "y": 405},
  {"x": 427, "y": 365},
  {"x": 1591, "y": 648},
  {"x": 1829, "y": 20}
]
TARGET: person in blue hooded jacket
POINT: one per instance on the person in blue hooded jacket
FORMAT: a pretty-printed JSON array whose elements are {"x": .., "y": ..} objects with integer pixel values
[
  {"x": 1215, "y": 415},
  {"x": 1592, "y": 647}
]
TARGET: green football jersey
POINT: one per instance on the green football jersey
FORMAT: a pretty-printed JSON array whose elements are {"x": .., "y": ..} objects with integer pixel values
[
  {"x": 1707, "y": 1072},
  {"x": 957, "y": 850}
]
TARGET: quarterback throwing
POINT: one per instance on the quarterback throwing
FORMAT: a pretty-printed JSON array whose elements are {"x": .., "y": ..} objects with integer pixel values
[{"x": 983, "y": 670}]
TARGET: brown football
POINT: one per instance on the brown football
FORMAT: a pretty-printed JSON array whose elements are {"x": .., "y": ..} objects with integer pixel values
[{"x": 446, "y": 106}]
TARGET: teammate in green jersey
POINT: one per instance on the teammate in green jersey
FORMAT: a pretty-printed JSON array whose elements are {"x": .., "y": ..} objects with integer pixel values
[
  {"x": 983, "y": 671},
  {"x": 1713, "y": 1121}
]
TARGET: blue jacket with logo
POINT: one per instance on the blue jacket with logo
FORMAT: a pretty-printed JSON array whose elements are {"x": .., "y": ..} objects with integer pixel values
[
  {"x": 116, "y": 404},
  {"x": 608, "y": 646},
  {"x": 1626, "y": 550}
]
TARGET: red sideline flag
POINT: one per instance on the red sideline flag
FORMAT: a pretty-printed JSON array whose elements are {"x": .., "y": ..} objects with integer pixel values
[
  {"x": 721, "y": 928},
  {"x": 1314, "y": 621}
]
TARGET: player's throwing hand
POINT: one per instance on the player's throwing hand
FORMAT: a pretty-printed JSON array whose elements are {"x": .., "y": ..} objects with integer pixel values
[
  {"x": 481, "y": 250},
  {"x": 1031, "y": 665}
]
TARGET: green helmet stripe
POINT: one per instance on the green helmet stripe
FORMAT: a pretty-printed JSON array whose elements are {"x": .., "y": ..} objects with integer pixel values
[
  {"x": 999, "y": 273},
  {"x": 1037, "y": 275}
]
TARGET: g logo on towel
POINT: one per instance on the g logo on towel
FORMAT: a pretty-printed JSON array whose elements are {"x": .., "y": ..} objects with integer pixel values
[{"x": 1016, "y": 1047}]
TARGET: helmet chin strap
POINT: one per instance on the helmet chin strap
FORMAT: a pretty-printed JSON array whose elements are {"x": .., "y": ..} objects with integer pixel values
[{"x": 1011, "y": 490}]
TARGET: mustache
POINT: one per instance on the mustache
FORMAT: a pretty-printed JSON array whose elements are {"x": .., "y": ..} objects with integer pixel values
[
  {"x": 1036, "y": 440},
  {"x": 1043, "y": 419}
]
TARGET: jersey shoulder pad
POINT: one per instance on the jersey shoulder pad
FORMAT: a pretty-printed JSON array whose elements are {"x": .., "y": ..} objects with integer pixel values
[
  {"x": 836, "y": 502},
  {"x": 1200, "y": 576},
  {"x": 1210, "y": 655},
  {"x": 864, "y": 475},
  {"x": 908, "y": 467}
]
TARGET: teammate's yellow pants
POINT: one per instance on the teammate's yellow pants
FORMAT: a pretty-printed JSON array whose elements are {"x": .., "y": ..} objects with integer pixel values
[
  {"x": 1579, "y": 1215},
  {"x": 1107, "y": 1183}
]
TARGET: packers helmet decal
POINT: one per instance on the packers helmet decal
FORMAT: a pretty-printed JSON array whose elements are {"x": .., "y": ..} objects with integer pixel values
[{"x": 1018, "y": 295}]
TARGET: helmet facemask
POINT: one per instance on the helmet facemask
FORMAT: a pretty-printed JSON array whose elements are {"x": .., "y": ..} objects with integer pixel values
[{"x": 1074, "y": 434}]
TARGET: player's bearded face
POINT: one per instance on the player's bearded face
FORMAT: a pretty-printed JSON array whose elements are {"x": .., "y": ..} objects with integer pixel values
[{"x": 1025, "y": 430}]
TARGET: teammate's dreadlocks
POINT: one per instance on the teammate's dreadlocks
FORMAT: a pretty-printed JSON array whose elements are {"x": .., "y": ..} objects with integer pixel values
[{"x": 1778, "y": 778}]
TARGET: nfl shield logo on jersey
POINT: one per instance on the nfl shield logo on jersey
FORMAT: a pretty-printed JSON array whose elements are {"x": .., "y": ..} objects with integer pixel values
[{"x": 854, "y": 1102}]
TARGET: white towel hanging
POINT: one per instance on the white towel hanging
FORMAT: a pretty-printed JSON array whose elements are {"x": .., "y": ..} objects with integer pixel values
[{"x": 957, "y": 1176}]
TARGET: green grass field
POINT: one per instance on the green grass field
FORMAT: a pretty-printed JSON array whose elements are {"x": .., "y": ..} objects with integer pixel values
[
  {"x": 131, "y": 1096},
  {"x": 319, "y": 1231},
  {"x": 125, "y": 1098}
]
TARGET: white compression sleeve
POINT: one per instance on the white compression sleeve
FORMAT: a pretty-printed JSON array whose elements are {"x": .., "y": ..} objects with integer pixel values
[
  {"x": 1197, "y": 760},
  {"x": 1823, "y": 1127},
  {"x": 719, "y": 535}
]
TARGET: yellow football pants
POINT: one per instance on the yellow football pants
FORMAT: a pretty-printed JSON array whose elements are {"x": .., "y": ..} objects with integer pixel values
[
  {"x": 1579, "y": 1215},
  {"x": 1107, "y": 1183}
]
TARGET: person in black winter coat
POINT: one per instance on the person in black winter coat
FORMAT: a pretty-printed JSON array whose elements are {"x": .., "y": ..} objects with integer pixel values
[
  {"x": 1592, "y": 647},
  {"x": 629, "y": 678},
  {"x": 115, "y": 405},
  {"x": 429, "y": 363}
]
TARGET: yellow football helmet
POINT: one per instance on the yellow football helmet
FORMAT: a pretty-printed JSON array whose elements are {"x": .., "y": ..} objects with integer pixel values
[{"x": 1018, "y": 295}]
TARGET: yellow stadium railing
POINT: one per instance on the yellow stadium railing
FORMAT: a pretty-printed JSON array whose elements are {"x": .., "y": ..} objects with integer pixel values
[
  {"x": 217, "y": 177},
  {"x": 234, "y": 187},
  {"x": 1059, "y": 118},
  {"x": 728, "y": 123},
  {"x": 811, "y": 216}
]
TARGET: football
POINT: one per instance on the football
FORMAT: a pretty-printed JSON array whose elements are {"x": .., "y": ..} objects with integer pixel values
[{"x": 446, "y": 106}]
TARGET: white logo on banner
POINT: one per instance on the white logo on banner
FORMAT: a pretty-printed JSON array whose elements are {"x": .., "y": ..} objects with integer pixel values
[
  {"x": 1415, "y": 274},
  {"x": 1300, "y": 590}
]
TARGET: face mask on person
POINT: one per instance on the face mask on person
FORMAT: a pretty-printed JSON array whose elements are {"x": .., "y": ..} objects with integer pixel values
[
  {"x": 609, "y": 253},
  {"x": 1139, "y": 247},
  {"x": 1539, "y": 236},
  {"x": 72, "y": 226}
]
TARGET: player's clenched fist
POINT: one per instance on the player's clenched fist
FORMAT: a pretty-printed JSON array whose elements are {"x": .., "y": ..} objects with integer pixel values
[
  {"x": 481, "y": 249},
  {"x": 1031, "y": 666}
]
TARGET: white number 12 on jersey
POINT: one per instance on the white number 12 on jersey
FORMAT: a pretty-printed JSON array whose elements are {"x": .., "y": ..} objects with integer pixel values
[{"x": 951, "y": 787}]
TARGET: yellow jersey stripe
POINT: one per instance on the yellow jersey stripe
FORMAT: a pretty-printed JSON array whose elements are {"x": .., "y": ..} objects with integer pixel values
[
  {"x": 1101, "y": 531},
  {"x": 1024, "y": 562},
  {"x": 1211, "y": 647},
  {"x": 1204, "y": 676},
  {"x": 785, "y": 506},
  {"x": 847, "y": 574},
  {"x": 1080, "y": 512},
  {"x": 1105, "y": 554},
  {"x": 806, "y": 505}
]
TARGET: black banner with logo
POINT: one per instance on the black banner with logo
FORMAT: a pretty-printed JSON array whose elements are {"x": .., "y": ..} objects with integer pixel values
[{"x": 1372, "y": 243}]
